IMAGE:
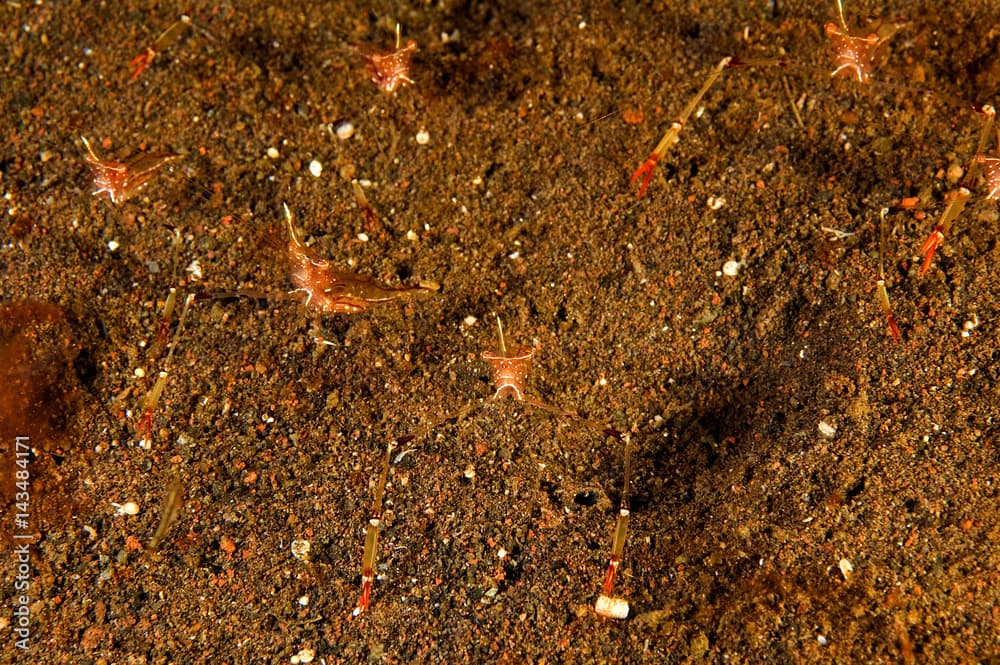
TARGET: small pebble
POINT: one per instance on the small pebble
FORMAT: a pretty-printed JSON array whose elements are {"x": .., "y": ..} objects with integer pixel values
[
  {"x": 826, "y": 429},
  {"x": 470, "y": 320},
  {"x": 969, "y": 326},
  {"x": 113, "y": 245},
  {"x": 127, "y": 508},
  {"x": 345, "y": 130},
  {"x": 315, "y": 168},
  {"x": 363, "y": 237},
  {"x": 423, "y": 137},
  {"x": 227, "y": 545},
  {"x": 731, "y": 268},
  {"x": 273, "y": 153}
]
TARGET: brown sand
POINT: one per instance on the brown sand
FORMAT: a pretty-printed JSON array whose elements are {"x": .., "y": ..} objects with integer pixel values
[{"x": 755, "y": 536}]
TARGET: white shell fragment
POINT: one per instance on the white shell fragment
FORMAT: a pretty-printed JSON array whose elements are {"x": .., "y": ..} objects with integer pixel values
[
  {"x": 303, "y": 656},
  {"x": 612, "y": 608},
  {"x": 315, "y": 168},
  {"x": 827, "y": 430},
  {"x": 300, "y": 549},
  {"x": 423, "y": 137},
  {"x": 846, "y": 568},
  {"x": 273, "y": 153},
  {"x": 731, "y": 268}
]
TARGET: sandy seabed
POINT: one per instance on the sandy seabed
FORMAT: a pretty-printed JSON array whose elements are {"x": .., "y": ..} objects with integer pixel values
[{"x": 805, "y": 489}]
